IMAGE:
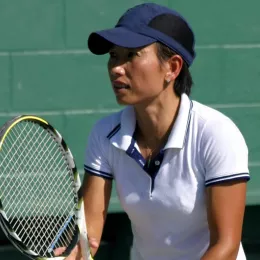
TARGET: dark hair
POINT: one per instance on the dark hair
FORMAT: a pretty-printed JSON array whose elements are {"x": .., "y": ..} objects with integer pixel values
[{"x": 183, "y": 82}]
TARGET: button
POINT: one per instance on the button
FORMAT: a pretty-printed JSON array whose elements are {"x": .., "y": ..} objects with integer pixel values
[{"x": 157, "y": 163}]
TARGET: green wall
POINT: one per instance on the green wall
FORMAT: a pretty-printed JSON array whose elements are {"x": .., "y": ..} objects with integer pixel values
[{"x": 46, "y": 69}]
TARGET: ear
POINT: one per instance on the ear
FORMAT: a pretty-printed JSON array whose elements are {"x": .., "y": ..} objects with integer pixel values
[{"x": 174, "y": 66}]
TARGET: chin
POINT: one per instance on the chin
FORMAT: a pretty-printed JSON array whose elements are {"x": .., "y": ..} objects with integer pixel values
[{"x": 123, "y": 102}]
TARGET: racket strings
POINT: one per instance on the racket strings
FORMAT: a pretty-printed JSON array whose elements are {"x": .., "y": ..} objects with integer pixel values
[
  {"x": 18, "y": 174},
  {"x": 7, "y": 159},
  {"x": 52, "y": 223},
  {"x": 11, "y": 148},
  {"x": 19, "y": 234},
  {"x": 16, "y": 164},
  {"x": 38, "y": 185},
  {"x": 19, "y": 177},
  {"x": 43, "y": 205},
  {"x": 47, "y": 237}
]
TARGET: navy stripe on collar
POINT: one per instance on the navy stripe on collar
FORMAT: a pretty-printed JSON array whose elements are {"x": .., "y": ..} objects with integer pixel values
[
  {"x": 114, "y": 131},
  {"x": 188, "y": 124}
]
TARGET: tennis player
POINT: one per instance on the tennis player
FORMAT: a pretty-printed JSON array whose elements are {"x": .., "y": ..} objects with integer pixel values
[{"x": 180, "y": 168}]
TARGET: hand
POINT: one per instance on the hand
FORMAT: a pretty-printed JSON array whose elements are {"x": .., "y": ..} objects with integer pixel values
[
  {"x": 76, "y": 252},
  {"x": 74, "y": 255}
]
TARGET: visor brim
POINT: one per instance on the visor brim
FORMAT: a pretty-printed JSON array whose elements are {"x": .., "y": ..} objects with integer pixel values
[{"x": 101, "y": 42}]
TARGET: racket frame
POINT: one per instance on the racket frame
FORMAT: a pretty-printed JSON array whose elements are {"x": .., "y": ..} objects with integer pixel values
[{"x": 81, "y": 232}]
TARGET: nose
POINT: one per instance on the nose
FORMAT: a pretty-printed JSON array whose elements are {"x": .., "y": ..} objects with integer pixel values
[{"x": 117, "y": 71}]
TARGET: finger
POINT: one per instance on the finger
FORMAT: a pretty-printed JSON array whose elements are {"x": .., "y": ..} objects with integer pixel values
[
  {"x": 93, "y": 242},
  {"x": 59, "y": 251}
]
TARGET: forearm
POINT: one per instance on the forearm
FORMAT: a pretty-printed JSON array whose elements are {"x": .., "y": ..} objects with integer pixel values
[
  {"x": 95, "y": 224},
  {"x": 221, "y": 252},
  {"x": 225, "y": 210},
  {"x": 96, "y": 194}
]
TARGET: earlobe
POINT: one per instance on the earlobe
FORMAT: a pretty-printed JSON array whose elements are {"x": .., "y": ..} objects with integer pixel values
[{"x": 168, "y": 77}]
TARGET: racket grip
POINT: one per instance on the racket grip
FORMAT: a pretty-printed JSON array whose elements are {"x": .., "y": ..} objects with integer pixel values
[{"x": 84, "y": 244}]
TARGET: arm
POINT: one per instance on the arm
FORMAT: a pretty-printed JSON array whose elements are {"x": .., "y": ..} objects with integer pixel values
[
  {"x": 96, "y": 194},
  {"x": 225, "y": 209},
  {"x": 96, "y": 186}
]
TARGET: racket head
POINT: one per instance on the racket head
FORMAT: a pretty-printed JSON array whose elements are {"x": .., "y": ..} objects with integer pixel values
[{"x": 40, "y": 204}]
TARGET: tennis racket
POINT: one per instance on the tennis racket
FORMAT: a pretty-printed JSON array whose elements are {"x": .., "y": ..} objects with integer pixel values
[{"x": 41, "y": 206}]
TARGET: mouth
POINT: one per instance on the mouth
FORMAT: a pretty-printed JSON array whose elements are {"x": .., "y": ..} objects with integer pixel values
[
  {"x": 121, "y": 86},
  {"x": 117, "y": 85}
]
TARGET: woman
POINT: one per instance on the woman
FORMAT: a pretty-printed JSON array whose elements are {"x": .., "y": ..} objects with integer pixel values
[{"x": 180, "y": 167}]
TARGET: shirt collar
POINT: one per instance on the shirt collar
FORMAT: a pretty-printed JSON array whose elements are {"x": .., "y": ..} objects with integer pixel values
[
  {"x": 179, "y": 130},
  {"x": 124, "y": 136}
]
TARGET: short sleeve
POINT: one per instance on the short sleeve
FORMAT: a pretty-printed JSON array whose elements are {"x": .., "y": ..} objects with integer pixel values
[
  {"x": 96, "y": 155},
  {"x": 224, "y": 152}
]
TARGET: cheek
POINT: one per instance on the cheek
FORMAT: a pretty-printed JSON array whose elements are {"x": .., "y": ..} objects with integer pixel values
[{"x": 148, "y": 73}]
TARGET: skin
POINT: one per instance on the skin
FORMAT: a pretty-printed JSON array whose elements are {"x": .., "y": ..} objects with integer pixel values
[
  {"x": 150, "y": 91},
  {"x": 225, "y": 207}
]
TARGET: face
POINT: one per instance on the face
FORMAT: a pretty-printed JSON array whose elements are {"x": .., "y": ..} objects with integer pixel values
[{"x": 136, "y": 74}]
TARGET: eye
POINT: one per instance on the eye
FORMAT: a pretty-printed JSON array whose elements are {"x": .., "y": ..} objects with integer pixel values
[
  {"x": 112, "y": 54},
  {"x": 132, "y": 54}
]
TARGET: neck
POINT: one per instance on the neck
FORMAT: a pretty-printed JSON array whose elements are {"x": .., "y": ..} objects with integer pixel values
[{"x": 155, "y": 120}]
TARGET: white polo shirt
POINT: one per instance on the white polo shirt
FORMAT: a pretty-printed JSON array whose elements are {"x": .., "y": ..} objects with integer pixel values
[{"x": 166, "y": 203}]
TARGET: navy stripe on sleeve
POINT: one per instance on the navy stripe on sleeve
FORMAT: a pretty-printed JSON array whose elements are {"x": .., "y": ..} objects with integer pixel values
[
  {"x": 95, "y": 172},
  {"x": 237, "y": 176}
]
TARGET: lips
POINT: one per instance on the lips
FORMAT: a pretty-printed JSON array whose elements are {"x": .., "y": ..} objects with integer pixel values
[{"x": 120, "y": 85}]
